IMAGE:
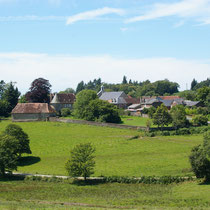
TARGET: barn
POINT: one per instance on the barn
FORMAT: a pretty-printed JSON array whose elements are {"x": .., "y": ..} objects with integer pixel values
[{"x": 32, "y": 112}]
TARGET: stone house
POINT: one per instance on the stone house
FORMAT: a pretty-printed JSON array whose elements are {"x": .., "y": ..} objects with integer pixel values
[
  {"x": 32, "y": 112},
  {"x": 118, "y": 98},
  {"x": 62, "y": 100}
]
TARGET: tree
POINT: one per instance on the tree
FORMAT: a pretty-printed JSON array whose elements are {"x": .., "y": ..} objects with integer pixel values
[
  {"x": 200, "y": 120},
  {"x": 81, "y": 162},
  {"x": 200, "y": 158},
  {"x": 202, "y": 94},
  {"x": 161, "y": 116},
  {"x": 21, "y": 137},
  {"x": 4, "y": 106},
  {"x": 102, "y": 111},
  {"x": 8, "y": 155},
  {"x": 65, "y": 112},
  {"x": 68, "y": 90},
  {"x": 11, "y": 95},
  {"x": 22, "y": 99},
  {"x": 124, "y": 80},
  {"x": 83, "y": 98},
  {"x": 193, "y": 84},
  {"x": 80, "y": 87},
  {"x": 2, "y": 88},
  {"x": 39, "y": 91},
  {"x": 178, "y": 115}
]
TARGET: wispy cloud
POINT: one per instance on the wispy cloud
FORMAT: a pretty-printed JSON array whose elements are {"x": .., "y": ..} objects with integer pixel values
[
  {"x": 23, "y": 68},
  {"x": 92, "y": 14},
  {"x": 31, "y": 18},
  {"x": 198, "y": 10}
]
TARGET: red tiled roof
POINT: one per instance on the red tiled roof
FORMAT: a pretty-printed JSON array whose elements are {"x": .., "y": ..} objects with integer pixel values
[
  {"x": 131, "y": 100},
  {"x": 33, "y": 108},
  {"x": 169, "y": 97}
]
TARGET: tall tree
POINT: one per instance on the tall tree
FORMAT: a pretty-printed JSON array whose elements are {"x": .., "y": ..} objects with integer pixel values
[
  {"x": 80, "y": 87},
  {"x": 39, "y": 91},
  {"x": 193, "y": 84},
  {"x": 124, "y": 80},
  {"x": 2, "y": 88},
  {"x": 11, "y": 95}
]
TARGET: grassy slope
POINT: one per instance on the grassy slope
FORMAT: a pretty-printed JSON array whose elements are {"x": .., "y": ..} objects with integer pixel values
[
  {"x": 115, "y": 154},
  {"x": 29, "y": 195},
  {"x": 134, "y": 120}
]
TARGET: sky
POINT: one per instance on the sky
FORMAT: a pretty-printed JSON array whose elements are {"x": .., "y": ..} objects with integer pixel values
[{"x": 67, "y": 41}]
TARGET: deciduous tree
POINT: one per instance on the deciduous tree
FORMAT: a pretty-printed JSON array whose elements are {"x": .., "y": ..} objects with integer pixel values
[
  {"x": 162, "y": 116},
  {"x": 39, "y": 91},
  {"x": 22, "y": 138},
  {"x": 8, "y": 155},
  {"x": 81, "y": 162}
]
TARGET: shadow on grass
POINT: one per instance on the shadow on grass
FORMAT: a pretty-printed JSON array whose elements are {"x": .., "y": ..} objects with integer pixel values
[
  {"x": 205, "y": 182},
  {"x": 29, "y": 160},
  {"x": 88, "y": 182},
  {"x": 10, "y": 177}
]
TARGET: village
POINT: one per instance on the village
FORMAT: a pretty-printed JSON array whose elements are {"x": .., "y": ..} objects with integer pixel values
[{"x": 105, "y": 104}]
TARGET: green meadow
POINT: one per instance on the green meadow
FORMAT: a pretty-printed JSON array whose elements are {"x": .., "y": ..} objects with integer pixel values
[
  {"x": 50, "y": 195},
  {"x": 116, "y": 152}
]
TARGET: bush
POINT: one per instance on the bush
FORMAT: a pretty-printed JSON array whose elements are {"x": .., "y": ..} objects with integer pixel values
[
  {"x": 65, "y": 112},
  {"x": 102, "y": 111},
  {"x": 200, "y": 120},
  {"x": 183, "y": 131},
  {"x": 199, "y": 158}
]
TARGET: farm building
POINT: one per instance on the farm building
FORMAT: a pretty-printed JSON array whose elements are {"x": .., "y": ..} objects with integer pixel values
[
  {"x": 32, "y": 112},
  {"x": 62, "y": 100},
  {"x": 118, "y": 98}
]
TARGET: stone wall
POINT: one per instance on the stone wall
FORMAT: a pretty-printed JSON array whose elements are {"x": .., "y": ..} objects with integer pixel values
[{"x": 113, "y": 125}]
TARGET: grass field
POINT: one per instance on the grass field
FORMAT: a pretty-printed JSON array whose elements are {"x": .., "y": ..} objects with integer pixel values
[
  {"x": 115, "y": 154},
  {"x": 42, "y": 195},
  {"x": 134, "y": 120}
]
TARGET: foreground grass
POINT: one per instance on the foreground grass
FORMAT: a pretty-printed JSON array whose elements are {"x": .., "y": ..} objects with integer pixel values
[
  {"x": 36, "y": 194},
  {"x": 116, "y": 153}
]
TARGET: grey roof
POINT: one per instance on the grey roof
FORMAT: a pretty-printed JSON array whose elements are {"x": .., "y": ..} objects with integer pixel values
[
  {"x": 191, "y": 103},
  {"x": 152, "y": 100},
  {"x": 134, "y": 106},
  {"x": 167, "y": 103},
  {"x": 115, "y": 97}
]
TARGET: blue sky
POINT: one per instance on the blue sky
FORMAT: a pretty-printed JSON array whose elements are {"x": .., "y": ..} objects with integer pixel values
[{"x": 67, "y": 41}]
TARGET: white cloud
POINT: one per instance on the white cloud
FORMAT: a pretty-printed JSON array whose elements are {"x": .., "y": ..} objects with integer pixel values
[
  {"x": 124, "y": 29},
  {"x": 89, "y": 15},
  {"x": 54, "y": 2},
  {"x": 31, "y": 18},
  {"x": 199, "y": 10},
  {"x": 65, "y": 71}
]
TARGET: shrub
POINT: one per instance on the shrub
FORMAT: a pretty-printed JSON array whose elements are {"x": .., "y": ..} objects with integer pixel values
[
  {"x": 199, "y": 158},
  {"x": 65, "y": 112},
  {"x": 200, "y": 120}
]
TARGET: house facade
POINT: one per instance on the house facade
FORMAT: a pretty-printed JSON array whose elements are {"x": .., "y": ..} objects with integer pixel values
[
  {"x": 118, "y": 98},
  {"x": 63, "y": 100},
  {"x": 32, "y": 112}
]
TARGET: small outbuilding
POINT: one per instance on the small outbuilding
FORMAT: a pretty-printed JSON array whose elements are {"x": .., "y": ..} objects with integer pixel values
[
  {"x": 32, "y": 112},
  {"x": 62, "y": 100}
]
